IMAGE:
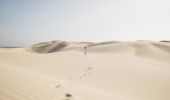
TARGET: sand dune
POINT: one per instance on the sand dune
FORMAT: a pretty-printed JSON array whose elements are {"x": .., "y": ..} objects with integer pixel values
[
  {"x": 49, "y": 47},
  {"x": 60, "y": 70}
]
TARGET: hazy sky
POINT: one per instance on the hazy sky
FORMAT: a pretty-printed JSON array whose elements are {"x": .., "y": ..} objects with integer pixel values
[{"x": 25, "y": 22}]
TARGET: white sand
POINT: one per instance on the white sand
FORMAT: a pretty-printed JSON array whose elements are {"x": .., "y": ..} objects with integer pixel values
[{"x": 110, "y": 71}]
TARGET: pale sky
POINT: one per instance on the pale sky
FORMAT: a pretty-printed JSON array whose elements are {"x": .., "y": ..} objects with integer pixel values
[{"x": 25, "y": 22}]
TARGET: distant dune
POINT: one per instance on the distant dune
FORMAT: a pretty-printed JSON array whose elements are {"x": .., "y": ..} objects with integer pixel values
[
  {"x": 149, "y": 49},
  {"x": 165, "y": 41},
  {"x": 62, "y": 70}
]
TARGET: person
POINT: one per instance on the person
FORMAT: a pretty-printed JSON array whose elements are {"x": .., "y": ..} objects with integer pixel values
[{"x": 85, "y": 50}]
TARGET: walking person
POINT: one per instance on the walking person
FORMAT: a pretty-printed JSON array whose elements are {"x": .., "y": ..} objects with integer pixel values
[{"x": 85, "y": 50}]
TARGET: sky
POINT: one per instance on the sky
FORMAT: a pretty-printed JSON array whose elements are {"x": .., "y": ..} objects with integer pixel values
[{"x": 26, "y": 22}]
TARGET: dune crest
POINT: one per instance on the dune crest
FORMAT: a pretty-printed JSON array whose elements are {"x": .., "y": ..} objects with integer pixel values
[{"x": 148, "y": 49}]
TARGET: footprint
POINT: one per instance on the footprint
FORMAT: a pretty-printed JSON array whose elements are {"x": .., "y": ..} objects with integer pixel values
[
  {"x": 89, "y": 68},
  {"x": 57, "y": 85},
  {"x": 84, "y": 75},
  {"x": 70, "y": 78},
  {"x": 66, "y": 96}
]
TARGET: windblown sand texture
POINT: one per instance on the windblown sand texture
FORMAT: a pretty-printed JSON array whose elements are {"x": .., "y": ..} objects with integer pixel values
[{"x": 60, "y": 70}]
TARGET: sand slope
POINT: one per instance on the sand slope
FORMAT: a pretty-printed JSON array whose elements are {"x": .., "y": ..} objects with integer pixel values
[{"x": 60, "y": 70}]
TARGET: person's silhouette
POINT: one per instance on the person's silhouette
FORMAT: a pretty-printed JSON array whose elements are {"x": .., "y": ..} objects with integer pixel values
[{"x": 85, "y": 50}]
